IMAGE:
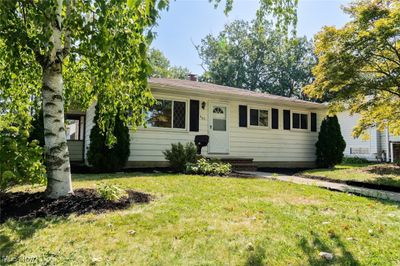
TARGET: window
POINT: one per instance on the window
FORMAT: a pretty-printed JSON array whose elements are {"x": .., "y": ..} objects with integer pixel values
[
  {"x": 258, "y": 117},
  {"x": 74, "y": 127},
  {"x": 167, "y": 114},
  {"x": 219, "y": 118},
  {"x": 357, "y": 150},
  {"x": 300, "y": 121}
]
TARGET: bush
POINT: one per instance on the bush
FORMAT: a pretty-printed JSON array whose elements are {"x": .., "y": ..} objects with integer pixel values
[
  {"x": 330, "y": 144},
  {"x": 20, "y": 159},
  {"x": 100, "y": 155},
  {"x": 179, "y": 155},
  {"x": 208, "y": 167},
  {"x": 354, "y": 160},
  {"x": 111, "y": 192}
]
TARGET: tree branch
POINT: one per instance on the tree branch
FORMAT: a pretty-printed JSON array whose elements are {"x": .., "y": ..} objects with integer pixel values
[{"x": 67, "y": 37}]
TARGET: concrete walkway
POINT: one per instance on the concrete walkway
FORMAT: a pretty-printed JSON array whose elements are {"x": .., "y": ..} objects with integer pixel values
[{"x": 375, "y": 193}]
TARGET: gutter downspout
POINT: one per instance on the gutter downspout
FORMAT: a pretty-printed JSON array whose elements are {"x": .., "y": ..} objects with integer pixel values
[{"x": 389, "y": 154}]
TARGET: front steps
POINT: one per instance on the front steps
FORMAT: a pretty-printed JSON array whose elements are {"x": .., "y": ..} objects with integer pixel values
[{"x": 241, "y": 164}]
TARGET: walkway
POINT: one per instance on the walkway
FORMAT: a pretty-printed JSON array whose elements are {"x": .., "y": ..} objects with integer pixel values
[{"x": 375, "y": 193}]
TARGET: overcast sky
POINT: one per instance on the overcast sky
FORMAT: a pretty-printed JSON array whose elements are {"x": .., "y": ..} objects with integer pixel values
[{"x": 188, "y": 21}]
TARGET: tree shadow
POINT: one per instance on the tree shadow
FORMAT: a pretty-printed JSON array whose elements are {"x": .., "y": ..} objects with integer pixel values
[
  {"x": 106, "y": 176},
  {"x": 256, "y": 257},
  {"x": 12, "y": 232},
  {"x": 317, "y": 245}
]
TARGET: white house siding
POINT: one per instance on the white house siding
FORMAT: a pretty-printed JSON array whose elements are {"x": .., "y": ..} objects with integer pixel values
[
  {"x": 268, "y": 147},
  {"x": 368, "y": 148},
  {"x": 88, "y": 127}
]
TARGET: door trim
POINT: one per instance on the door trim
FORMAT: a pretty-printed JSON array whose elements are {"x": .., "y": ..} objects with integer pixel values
[{"x": 209, "y": 123}]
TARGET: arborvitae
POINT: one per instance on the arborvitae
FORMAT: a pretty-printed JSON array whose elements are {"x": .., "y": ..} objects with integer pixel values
[
  {"x": 37, "y": 128},
  {"x": 103, "y": 158},
  {"x": 330, "y": 144}
]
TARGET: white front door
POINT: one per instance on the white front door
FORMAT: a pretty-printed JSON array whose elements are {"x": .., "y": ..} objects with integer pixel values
[{"x": 218, "y": 129}]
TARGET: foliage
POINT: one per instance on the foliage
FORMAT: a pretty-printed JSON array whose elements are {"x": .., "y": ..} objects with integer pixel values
[
  {"x": 179, "y": 155},
  {"x": 110, "y": 192},
  {"x": 161, "y": 67},
  {"x": 103, "y": 157},
  {"x": 330, "y": 144},
  {"x": 354, "y": 160},
  {"x": 208, "y": 167},
  {"x": 359, "y": 65},
  {"x": 37, "y": 128},
  {"x": 20, "y": 159},
  {"x": 254, "y": 56}
]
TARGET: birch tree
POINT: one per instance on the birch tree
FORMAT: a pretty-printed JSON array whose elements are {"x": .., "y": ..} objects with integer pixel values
[{"x": 72, "y": 52}]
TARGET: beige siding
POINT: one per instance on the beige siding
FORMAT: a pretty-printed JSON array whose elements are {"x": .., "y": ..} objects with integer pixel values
[{"x": 75, "y": 148}]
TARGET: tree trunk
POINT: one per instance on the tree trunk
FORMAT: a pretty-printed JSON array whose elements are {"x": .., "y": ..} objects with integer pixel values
[{"x": 56, "y": 149}]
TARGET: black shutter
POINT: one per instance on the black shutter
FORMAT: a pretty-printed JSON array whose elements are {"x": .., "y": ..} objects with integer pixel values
[
  {"x": 275, "y": 118},
  {"x": 313, "y": 122},
  {"x": 242, "y": 116},
  {"x": 286, "y": 119},
  {"x": 194, "y": 115}
]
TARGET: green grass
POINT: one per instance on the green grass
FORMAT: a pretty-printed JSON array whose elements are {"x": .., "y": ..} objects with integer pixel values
[
  {"x": 197, "y": 220},
  {"x": 381, "y": 174}
]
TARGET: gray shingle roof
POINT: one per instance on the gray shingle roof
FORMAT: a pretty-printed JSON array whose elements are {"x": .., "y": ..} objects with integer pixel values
[{"x": 209, "y": 88}]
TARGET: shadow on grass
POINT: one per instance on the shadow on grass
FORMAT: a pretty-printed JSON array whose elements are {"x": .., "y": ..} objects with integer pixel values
[
  {"x": 105, "y": 176},
  {"x": 311, "y": 250},
  {"x": 12, "y": 232},
  {"x": 256, "y": 257}
]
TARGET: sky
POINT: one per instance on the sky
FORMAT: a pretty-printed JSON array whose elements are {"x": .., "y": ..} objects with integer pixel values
[{"x": 188, "y": 21}]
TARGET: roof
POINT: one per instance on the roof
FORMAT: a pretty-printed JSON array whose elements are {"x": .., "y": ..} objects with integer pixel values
[{"x": 209, "y": 88}]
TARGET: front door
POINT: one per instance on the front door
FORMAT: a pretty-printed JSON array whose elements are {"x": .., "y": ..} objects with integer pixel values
[{"x": 218, "y": 129}]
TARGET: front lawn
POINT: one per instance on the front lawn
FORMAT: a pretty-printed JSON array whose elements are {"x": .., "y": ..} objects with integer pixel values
[
  {"x": 197, "y": 220},
  {"x": 379, "y": 174}
]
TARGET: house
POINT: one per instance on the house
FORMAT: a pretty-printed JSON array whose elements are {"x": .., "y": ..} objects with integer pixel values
[
  {"x": 268, "y": 130},
  {"x": 379, "y": 146}
]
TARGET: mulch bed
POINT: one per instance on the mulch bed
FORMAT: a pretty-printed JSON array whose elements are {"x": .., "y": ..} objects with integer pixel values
[{"x": 25, "y": 206}]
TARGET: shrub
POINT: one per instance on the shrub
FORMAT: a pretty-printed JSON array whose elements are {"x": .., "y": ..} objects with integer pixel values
[
  {"x": 111, "y": 192},
  {"x": 20, "y": 159},
  {"x": 179, "y": 155},
  {"x": 100, "y": 155},
  {"x": 208, "y": 167},
  {"x": 330, "y": 144},
  {"x": 354, "y": 160}
]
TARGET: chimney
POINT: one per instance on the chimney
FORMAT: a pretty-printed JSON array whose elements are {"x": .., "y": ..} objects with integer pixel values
[{"x": 192, "y": 77}]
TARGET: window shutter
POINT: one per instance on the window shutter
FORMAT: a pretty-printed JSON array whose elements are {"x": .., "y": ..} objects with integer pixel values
[
  {"x": 313, "y": 122},
  {"x": 286, "y": 119},
  {"x": 275, "y": 118},
  {"x": 194, "y": 115},
  {"x": 242, "y": 116}
]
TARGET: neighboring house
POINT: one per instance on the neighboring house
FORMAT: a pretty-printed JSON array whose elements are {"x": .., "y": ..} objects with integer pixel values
[
  {"x": 380, "y": 145},
  {"x": 273, "y": 131}
]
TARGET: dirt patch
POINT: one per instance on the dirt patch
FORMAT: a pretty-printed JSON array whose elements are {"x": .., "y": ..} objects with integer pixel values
[
  {"x": 23, "y": 205},
  {"x": 385, "y": 169}
]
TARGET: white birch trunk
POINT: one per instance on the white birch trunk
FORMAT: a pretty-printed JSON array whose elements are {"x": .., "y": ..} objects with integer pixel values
[{"x": 56, "y": 149}]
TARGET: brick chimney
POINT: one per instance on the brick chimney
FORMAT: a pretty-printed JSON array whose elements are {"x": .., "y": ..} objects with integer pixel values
[{"x": 192, "y": 77}]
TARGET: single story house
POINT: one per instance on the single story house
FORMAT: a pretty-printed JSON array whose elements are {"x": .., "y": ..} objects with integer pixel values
[
  {"x": 268, "y": 130},
  {"x": 380, "y": 145}
]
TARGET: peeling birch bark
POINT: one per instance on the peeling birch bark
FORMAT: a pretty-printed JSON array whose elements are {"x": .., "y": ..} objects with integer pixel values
[{"x": 56, "y": 150}]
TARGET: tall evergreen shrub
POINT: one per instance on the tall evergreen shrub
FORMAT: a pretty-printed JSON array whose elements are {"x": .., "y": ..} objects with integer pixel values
[
  {"x": 330, "y": 144},
  {"x": 104, "y": 158}
]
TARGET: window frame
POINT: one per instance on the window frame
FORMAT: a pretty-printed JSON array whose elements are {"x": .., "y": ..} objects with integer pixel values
[
  {"x": 259, "y": 108},
  {"x": 173, "y": 99},
  {"x": 292, "y": 112}
]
